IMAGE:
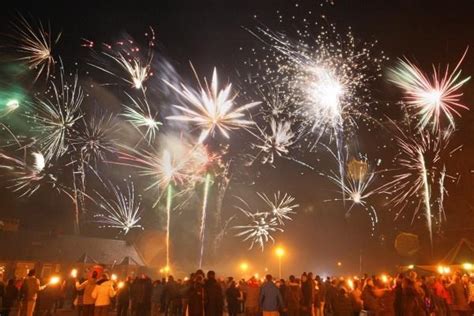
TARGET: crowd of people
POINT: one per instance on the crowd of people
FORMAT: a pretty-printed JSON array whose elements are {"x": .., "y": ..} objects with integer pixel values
[{"x": 206, "y": 295}]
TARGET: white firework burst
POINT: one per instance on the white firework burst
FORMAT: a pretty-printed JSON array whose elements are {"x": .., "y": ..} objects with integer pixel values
[
  {"x": 431, "y": 98},
  {"x": 212, "y": 109},
  {"x": 277, "y": 142},
  {"x": 263, "y": 224},
  {"x": 35, "y": 46},
  {"x": 26, "y": 176},
  {"x": 282, "y": 206},
  {"x": 141, "y": 116},
  {"x": 96, "y": 139},
  {"x": 122, "y": 211},
  {"x": 260, "y": 229},
  {"x": 55, "y": 118}
]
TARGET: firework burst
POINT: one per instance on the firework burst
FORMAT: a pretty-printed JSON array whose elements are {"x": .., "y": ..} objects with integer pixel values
[
  {"x": 326, "y": 73},
  {"x": 35, "y": 46},
  {"x": 212, "y": 109},
  {"x": 123, "y": 211},
  {"x": 420, "y": 163},
  {"x": 27, "y": 175},
  {"x": 264, "y": 223},
  {"x": 141, "y": 117},
  {"x": 432, "y": 98},
  {"x": 55, "y": 117},
  {"x": 96, "y": 139},
  {"x": 281, "y": 206},
  {"x": 135, "y": 69},
  {"x": 357, "y": 188},
  {"x": 277, "y": 142},
  {"x": 260, "y": 229},
  {"x": 179, "y": 162}
]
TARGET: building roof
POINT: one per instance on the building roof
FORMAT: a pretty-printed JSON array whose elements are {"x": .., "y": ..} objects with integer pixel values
[{"x": 26, "y": 245}]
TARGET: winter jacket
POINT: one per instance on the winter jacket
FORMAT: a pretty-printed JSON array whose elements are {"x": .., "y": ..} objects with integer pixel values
[
  {"x": 293, "y": 296},
  {"x": 412, "y": 303},
  {"x": 371, "y": 302},
  {"x": 232, "y": 295},
  {"x": 213, "y": 298},
  {"x": 270, "y": 298},
  {"x": 88, "y": 287},
  {"x": 459, "y": 296},
  {"x": 252, "y": 295},
  {"x": 308, "y": 293},
  {"x": 195, "y": 299},
  {"x": 343, "y": 304},
  {"x": 123, "y": 294},
  {"x": 103, "y": 293},
  {"x": 157, "y": 293},
  {"x": 10, "y": 296}
]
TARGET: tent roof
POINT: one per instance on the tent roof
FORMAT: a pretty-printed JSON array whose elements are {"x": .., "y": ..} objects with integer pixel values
[
  {"x": 462, "y": 252},
  {"x": 27, "y": 245}
]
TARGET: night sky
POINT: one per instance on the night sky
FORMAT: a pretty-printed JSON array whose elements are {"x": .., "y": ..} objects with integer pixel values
[{"x": 211, "y": 33}]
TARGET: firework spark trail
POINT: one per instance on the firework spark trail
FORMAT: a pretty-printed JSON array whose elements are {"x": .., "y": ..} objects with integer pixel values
[
  {"x": 202, "y": 230},
  {"x": 35, "y": 46},
  {"x": 431, "y": 98},
  {"x": 211, "y": 109},
  {"x": 169, "y": 201},
  {"x": 55, "y": 118},
  {"x": 442, "y": 191},
  {"x": 420, "y": 163},
  {"x": 140, "y": 116},
  {"x": 180, "y": 164},
  {"x": 426, "y": 193},
  {"x": 122, "y": 212}
]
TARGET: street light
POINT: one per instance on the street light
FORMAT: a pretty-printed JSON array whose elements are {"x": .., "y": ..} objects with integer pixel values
[
  {"x": 279, "y": 252},
  {"x": 165, "y": 270},
  {"x": 244, "y": 267}
]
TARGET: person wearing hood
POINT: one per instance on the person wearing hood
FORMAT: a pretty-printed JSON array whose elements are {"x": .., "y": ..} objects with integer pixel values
[
  {"x": 270, "y": 298},
  {"x": 103, "y": 293},
  {"x": 293, "y": 297}
]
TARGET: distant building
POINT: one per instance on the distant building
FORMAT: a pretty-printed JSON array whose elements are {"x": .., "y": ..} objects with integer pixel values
[{"x": 50, "y": 254}]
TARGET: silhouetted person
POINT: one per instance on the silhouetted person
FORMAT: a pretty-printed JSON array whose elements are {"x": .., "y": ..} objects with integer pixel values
[{"x": 213, "y": 296}]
